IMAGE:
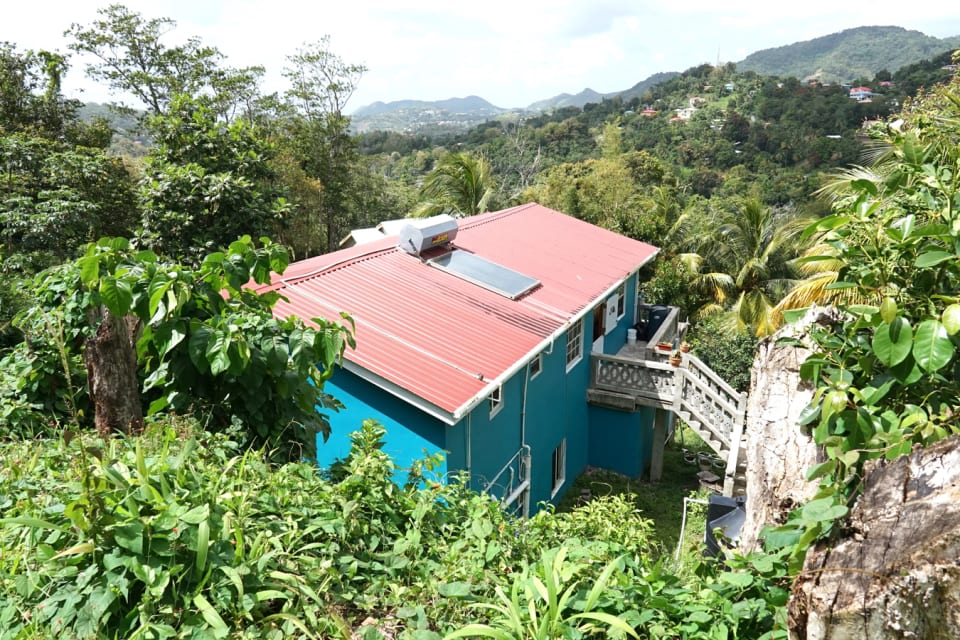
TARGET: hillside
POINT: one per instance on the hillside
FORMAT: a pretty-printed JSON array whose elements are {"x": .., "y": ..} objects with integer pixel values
[
  {"x": 414, "y": 116},
  {"x": 567, "y": 100},
  {"x": 848, "y": 55}
]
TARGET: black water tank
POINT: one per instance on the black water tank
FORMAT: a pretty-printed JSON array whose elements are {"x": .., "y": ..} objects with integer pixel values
[
  {"x": 658, "y": 313},
  {"x": 726, "y": 514}
]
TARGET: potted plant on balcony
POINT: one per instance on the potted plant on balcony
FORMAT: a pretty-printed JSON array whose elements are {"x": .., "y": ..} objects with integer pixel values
[
  {"x": 664, "y": 347},
  {"x": 685, "y": 347},
  {"x": 676, "y": 358}
]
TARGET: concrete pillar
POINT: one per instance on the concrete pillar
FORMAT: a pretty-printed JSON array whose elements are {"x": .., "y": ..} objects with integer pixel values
[{"x": 659, "y": 443}]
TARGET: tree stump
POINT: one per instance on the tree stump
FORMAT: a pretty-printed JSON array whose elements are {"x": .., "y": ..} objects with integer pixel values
[
  {"x": 895, "y": 573},
  {"x": 778, "y": 452},
  {"x": 111, "y": 362}
]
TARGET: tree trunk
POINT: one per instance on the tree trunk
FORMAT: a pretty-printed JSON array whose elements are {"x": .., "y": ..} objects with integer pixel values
[
  {"x": 896, "y": 571},
  {"x": 778, "y": 452},
  {"x": 111, "y": 361}
]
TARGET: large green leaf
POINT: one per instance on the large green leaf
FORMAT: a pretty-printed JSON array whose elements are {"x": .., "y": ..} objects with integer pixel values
[
  {"x": 218, "y": 352},
  {"x": 200, "y": 336},
  {"x": 821, "y": 510},
  {"x": 932, "y": 258},
  {"x": 892, "y": 342},
  {"x": 932, "y": 348},
  {"x": 129, "y": 536},
  {"x": 116, "y": 296},
  {"x": 906, "y": 372},
  {"x": 89, "y": 269}
]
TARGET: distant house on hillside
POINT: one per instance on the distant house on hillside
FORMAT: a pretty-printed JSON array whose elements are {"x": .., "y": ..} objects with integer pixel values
[{"x": 861, "y": 94}]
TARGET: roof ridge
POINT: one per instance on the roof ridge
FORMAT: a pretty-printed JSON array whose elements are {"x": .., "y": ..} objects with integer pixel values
[
  {"x": 490, "y": 216},
  {"x": 369, "y": 254}
]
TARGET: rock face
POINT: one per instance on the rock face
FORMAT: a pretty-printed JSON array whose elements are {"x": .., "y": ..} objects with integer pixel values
[
  {"x": 778, "y": 453},
  {"x": 895, "y": 573}
]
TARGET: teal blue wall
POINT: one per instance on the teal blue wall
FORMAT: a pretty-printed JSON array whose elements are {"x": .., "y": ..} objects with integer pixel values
[
  {"x": 493, "y": 440},
  {"x": 410, "y": 432},
  {"x": 614, "y": 340},
  {"x": 620, "y": 440}
]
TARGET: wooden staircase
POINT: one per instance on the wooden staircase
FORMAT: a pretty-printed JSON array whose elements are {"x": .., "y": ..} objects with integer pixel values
[{"x": 713, "y": 409}]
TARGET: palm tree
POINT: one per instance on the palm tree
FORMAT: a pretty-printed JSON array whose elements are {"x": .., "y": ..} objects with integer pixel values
[
  {"x": 746, "y": 264},
  {"x": 460, "y": 183}
]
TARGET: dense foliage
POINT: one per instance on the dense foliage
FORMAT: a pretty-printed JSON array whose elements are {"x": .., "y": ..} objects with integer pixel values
[
  {"x": 887, "y": 370},
  {"x": 203, "y": 343},
  {"x": 179, "y": 534}
]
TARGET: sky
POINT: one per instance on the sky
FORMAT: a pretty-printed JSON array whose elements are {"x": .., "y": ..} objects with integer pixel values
[{"x": 510, "y": 52}]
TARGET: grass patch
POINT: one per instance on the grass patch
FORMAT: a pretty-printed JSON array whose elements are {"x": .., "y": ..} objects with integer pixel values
[{"x": 661, "y": 502}]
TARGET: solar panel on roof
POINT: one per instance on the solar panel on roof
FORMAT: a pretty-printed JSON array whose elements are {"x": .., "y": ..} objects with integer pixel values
[{"x": 485, "y": 273}]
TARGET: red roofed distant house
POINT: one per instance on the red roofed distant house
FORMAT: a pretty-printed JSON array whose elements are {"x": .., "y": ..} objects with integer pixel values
[
  {"x": 861, "y": 94},
  {"x": 474, "y": 339}
]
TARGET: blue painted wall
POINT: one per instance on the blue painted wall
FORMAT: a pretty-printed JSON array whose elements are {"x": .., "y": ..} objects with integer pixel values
[
  {"x": 620, "y": 440},
  {"x": 493, "y": 440},
  {"x": 410, "y": 432},
  {"x": 616, "y": 338}
]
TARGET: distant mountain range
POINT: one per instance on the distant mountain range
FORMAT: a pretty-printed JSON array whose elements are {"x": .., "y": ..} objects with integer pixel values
[{"x": 839, "y": 57}]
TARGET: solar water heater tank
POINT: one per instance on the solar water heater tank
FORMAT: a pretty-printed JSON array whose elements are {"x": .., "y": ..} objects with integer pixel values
[{"x": 419, "y": 235}]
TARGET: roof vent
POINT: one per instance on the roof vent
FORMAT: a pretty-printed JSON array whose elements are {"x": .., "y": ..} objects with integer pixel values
[{"x": 419, "y": 235}]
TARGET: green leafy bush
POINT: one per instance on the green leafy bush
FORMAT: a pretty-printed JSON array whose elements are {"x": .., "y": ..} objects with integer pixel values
[{"x": 181, "y": 533}]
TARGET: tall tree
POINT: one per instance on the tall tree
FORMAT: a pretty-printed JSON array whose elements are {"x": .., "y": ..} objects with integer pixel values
[
  {"x": 59, "y": 190},
  {"x": 745, "y": 263},
  {"x": 321, "y": 84},
  {"x": 206, "y": 183},
  {"x": 134, "y": 60}
]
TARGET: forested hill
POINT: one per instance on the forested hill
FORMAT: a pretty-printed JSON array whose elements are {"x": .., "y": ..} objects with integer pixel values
[
  {"x": 848, "y": 55},
  {"x": 717, "y": 131},
  {"x": 588, "y": 96}
]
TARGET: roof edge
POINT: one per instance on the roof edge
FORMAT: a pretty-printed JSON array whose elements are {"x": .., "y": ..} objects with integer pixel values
[{"x": 396, "y": 390}]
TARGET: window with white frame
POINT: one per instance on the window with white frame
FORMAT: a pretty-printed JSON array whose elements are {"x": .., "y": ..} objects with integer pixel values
[
  {"x": 621, "y": 300},
  {"x": 559, "y": 467},
  {"x": 536, "y": 366},
  {"x": 574, "y": 343},
  {"x": 496, "y": 401}
]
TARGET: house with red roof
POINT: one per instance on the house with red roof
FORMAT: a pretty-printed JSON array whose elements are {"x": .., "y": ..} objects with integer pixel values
[{"x": 474, "y": 339}]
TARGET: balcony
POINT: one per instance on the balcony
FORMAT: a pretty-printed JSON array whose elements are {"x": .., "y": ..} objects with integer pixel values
[{"x": 641, "y": 376}]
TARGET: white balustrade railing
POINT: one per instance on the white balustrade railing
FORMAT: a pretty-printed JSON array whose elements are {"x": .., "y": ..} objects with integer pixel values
[{"x": 692, "y": 388}]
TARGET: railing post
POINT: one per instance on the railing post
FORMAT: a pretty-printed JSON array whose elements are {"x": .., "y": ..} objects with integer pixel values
[
  {"x": 733, "y": 457},
  {"x": 679, "y": 376}
]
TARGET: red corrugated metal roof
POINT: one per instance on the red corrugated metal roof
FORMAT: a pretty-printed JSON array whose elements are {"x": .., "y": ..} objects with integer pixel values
[{"x": 443, "y": 339}]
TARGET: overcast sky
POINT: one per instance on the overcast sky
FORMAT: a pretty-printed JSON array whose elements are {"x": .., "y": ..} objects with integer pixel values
[{"x": 511, "y": 52}]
